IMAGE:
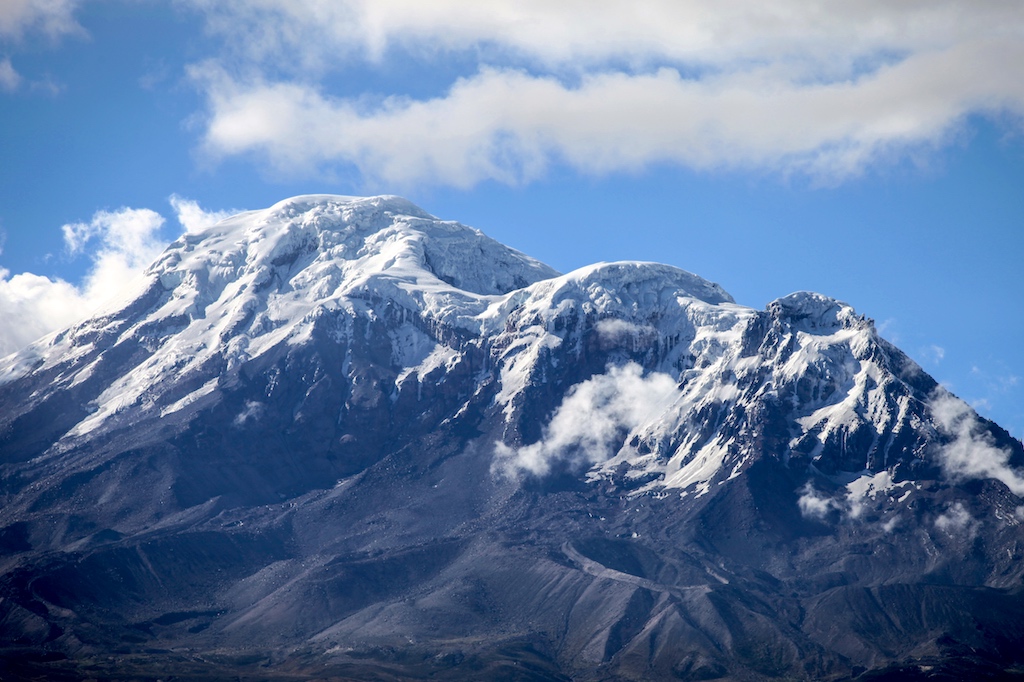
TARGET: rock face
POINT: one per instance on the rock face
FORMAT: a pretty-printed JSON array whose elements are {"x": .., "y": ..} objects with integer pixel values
[{"x": 343, "y": 438}]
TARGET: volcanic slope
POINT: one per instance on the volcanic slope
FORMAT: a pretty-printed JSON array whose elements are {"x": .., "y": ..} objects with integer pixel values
[{"x": 342, "y": 438}]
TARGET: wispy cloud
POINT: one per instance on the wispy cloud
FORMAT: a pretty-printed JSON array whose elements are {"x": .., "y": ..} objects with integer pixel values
[
  {"x": 51, "y": 18},
  {"x": 9, "y": 78},
  {"x": 956, "y": 520},
  {"x": 603, "y": 87},
  {"x": 970, "y": 452},
  {"x": 995, "y": 387},
  {"x": 933, "y": 354},
  {"x": 888, "y": 328},
  {"x": 999, "y": 381},
  {"x": 593, "y": 422}
]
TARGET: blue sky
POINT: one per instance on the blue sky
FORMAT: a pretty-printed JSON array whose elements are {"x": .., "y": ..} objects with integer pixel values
[{"x": 869, "y": 151}]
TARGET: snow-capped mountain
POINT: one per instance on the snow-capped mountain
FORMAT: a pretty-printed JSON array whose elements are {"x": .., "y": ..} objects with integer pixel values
[{"x": 346, "y": 433}]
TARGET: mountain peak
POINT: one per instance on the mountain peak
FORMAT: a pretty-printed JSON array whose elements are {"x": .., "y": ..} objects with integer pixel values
[
  {"x": 809, "y": 310},
  {"x": 383, "y": 203},
  {"x": 361, "y": 237},
  {"x": 260, "y": 279},
  {"x": 340, "y": 425}
]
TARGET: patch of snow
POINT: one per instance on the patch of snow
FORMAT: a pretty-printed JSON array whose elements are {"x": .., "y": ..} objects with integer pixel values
[
  {"x": 699, "y": 470},
  {"x": 868, "y": 487},
  {"x": 206, "y": 389}
]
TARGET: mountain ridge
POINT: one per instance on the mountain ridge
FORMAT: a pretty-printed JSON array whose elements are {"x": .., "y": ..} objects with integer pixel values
[{"x": 354, "y": 437}]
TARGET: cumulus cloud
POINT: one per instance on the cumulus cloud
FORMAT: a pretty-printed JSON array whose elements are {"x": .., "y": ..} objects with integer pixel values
[
  {"x": 131, "y": 232},
  {"x": 52, "y": 18},
  {"x": 31, "y": 306},
  {"x": 594, "y": 421},
  {"x": 193, "y": 218},
  {"x": 128, "y": 240},
  {"x": 970, "y": 452},
  {"x": 606, "y": 87},
  {"x": 9, "y": 78},
  {"x": 119, "y": 243}
]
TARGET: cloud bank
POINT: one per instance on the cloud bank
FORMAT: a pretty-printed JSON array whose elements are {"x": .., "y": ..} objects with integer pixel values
[
  {"x": 823, "y": 89},
  {"x": 128, "y": 239},
  {"x": 593, "y": 421},
  {"x": 571, "y": 33}
]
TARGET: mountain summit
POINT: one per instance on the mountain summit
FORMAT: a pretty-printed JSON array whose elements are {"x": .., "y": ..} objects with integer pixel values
[{"x": 341, "y": 436}]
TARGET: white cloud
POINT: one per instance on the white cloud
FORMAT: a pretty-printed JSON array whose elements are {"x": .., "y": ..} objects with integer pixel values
[
  {"x": 32, "y": 306},
  {"x": 129, "y": 242},
  {"x": 52, "y": 18},
  {"x": 193, "y": 218},
  {"x": 131, "y": 232},
  {"x": 888, "y": 328},
  {"x": 999, "y": 380},
  {"x": 254, "y": 410},
  {"x": 588, "y": 32},
  {"x": 613, "y": 329},
  {"x": 814, "y": 505},
  {"x": 603, "y": 87},
  {"x": 970, "y": 452},
  {"x": 120, "y": 245},
  {"x": 593, "y": 422},
  {"x": 9, "y": 78}
]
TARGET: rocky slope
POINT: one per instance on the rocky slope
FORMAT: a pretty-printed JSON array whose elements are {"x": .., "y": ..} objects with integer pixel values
[{"x": 340, "y": 436}]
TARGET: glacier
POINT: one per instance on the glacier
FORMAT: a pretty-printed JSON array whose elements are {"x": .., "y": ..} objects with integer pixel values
[
  {"x": 341, "y": 424},
  {"x": 227, "y": 295}
]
